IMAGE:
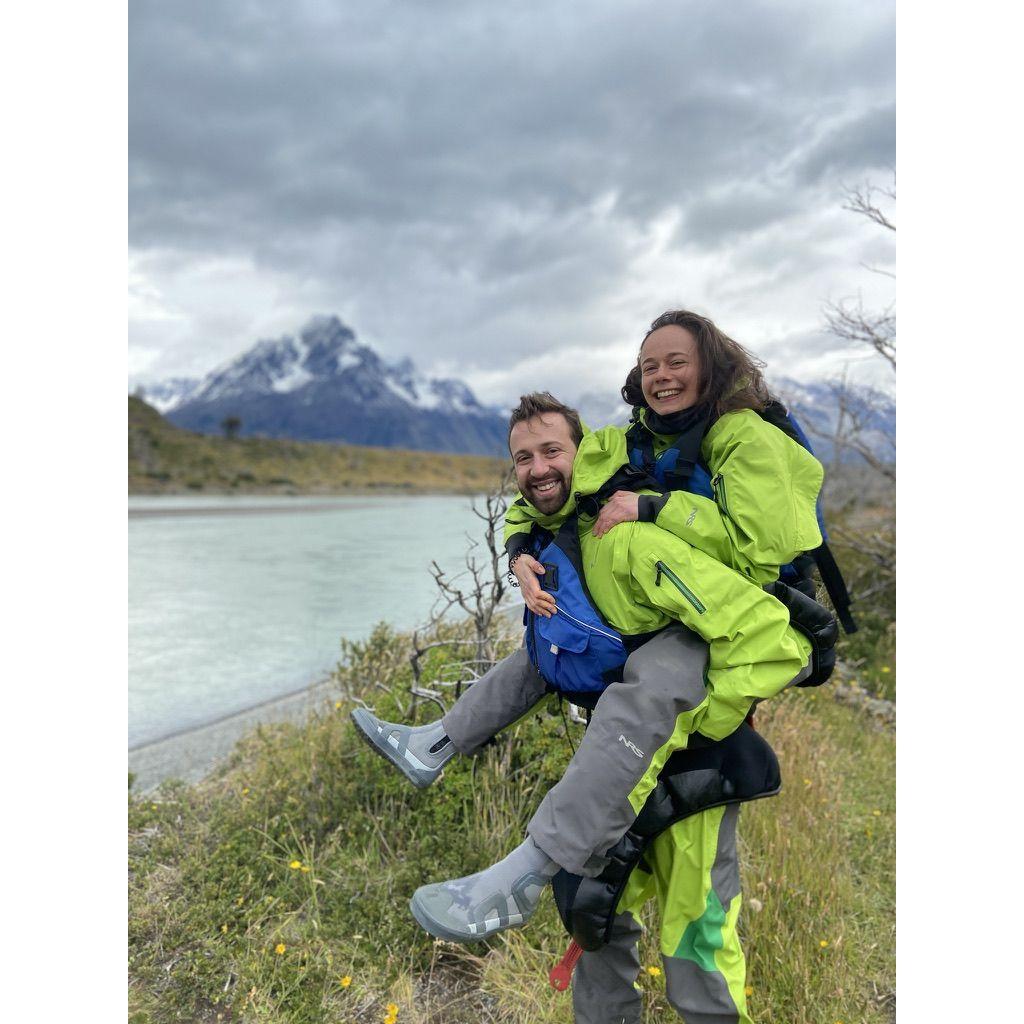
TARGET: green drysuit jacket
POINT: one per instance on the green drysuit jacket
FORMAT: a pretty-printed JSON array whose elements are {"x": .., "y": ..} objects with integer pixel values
[
  {"x": 766, "y": 490},
  {"x": 643, "y": 578}
]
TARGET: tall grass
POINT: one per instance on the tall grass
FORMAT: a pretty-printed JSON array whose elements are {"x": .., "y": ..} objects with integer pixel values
[{"x": 256, "y": 893}]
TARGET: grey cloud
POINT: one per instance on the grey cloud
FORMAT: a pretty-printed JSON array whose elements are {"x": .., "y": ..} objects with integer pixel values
[
  {"x": 717, "y": 218},
  {"x": 434, "y": 169},
  {"x": 867, "y": 141}
]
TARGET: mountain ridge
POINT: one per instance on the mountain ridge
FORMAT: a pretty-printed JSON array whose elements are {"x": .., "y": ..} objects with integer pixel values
[{"x": 324, "y": 385}]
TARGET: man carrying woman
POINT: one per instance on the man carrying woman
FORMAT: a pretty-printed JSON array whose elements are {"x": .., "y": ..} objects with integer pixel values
[{"x": 683, "y": 572}]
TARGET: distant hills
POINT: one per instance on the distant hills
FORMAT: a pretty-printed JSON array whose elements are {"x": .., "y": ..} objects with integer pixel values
[
  {"x": 163, "y": 458},
  {"x": 323, "y": 385}
]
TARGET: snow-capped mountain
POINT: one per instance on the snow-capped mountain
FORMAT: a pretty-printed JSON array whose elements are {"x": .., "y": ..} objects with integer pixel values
[
  {"x": 168, "y": 394},
  {"x": 323, "y": 385},
  {"x": 818, "y": 405}
]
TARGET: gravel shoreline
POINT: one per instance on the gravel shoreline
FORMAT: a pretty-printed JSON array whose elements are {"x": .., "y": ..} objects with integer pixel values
[{"x": 194, "y": 753}]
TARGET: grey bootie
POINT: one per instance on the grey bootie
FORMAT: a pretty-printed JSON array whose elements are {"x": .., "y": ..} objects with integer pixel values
[
  {"x": 418, "y": 752},
  {"x": 502, "y": 896}
]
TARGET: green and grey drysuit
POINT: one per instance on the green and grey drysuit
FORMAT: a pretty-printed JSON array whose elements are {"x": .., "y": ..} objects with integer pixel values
[
  {"x": 761, "y": 475},
  {"x": 722, "y": 630},
  {"x": 752, "y": 653}
]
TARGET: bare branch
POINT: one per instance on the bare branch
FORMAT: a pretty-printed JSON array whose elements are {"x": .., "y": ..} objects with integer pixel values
[
  {"x": 879, "y": 270},
  {"x": 858, "y": 415},
  {"x": 854, "y": 323},
  {"x": 477, "y": 591},
  {"x": 860, "y": 199}
]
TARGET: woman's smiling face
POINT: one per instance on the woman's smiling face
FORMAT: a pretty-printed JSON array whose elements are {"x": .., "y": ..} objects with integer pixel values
[{"x": 670, "y": 370}]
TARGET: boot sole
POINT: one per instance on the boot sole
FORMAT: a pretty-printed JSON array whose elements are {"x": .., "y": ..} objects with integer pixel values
[
  {"x": 439, "y": 931},
  {"x": 384, "y": 749}
]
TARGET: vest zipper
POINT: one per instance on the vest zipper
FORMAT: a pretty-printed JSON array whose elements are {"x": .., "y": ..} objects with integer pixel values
[
  {"x": 587, "y": 625},
  {"x": 663, "y": 569},
  {"x": 718, "y": 485}
]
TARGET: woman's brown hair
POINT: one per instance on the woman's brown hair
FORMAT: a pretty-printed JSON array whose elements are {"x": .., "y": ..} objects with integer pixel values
[{"x": 730, "y": 376}]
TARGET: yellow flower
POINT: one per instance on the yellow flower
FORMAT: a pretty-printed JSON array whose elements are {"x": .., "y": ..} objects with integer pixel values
[
  {"x": 305, "y": 869},
  {"x": 245, "y": 791},
  {"x": 389, "y": 1019},
  {"x": 152, "y": 807},
  {"x": 224, "y": 928},
  {"x": 823, "y": 943},
  {"x": 280, "y": 948},
  {"x": 807, "y": 782},
  {"x": 654, "y": 972},
  {"x": 346, "y": 981},
  {"x": 749, "y": 990},
  {"x": 239, "y": 901},
  {"x": 885, "y": 668},
  {"x": 392, "y": 1010},
  {"x": 295, "y": 865},
  {"x": 877, "y": 814},
  {"x": 337, "y": 704}
]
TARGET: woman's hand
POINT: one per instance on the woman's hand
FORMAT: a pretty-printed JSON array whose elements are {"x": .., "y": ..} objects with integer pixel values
[
  {"x": 526, "y": 570},
  {"x": 622, "y": 507}
]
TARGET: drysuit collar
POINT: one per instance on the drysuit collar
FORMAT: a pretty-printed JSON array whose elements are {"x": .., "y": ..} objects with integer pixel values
[{"x": 683, "y": 422}]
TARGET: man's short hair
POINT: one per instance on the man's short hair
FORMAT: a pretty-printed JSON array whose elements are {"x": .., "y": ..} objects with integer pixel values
[{"x": 539, "y": 403}]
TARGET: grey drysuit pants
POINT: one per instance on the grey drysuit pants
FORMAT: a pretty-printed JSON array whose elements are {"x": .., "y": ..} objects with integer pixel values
[
  {"x": 602, "y": 986},
  {"x": 587, "y": 811}
]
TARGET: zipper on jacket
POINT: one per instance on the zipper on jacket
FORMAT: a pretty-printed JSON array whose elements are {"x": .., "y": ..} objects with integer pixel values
[
  {"x": 663, "y": 569},
  {"x": 718, "y": 485},
  {"x": 586, "y": 625}
]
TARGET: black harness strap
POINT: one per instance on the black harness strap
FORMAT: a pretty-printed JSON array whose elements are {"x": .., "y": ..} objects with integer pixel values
[
  {"x": 686, "y": 446},
  {"x": 707, "y": 774},
  {"x": 835, "y": 585}
]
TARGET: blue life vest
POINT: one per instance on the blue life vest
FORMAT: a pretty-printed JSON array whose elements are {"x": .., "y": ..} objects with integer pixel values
[{"x": 576, "y": 650}]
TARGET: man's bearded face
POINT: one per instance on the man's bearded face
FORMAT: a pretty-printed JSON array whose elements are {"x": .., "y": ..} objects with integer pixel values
[{"x": 542, "y": 452}]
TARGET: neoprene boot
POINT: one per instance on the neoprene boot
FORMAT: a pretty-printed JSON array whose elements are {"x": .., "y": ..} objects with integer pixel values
[
  {"x": 418, "y": 752},
  {"x": 502, "y": 896}
]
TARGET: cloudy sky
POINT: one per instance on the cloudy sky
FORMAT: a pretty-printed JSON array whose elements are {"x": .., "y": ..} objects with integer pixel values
[{"x": 505, "y": 193}]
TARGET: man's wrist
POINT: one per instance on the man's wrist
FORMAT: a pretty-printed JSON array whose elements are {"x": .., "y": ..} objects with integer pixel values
[
  {"x": 512, "y": 581},
  {"x": 649, "y": 507}
]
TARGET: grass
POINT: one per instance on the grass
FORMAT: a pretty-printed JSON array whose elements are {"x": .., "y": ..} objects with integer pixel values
[
  {"x": 163, "y": 459},
  {"x": 253, "y": 894}
]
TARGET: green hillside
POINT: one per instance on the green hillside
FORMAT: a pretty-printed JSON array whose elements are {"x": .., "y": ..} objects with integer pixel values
[
  {"x": 163, "y": 459},
  {"x": 276, "y": 890}
]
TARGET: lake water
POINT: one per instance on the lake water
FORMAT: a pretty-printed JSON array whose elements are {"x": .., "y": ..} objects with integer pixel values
[{"x": 234, "y": 601}]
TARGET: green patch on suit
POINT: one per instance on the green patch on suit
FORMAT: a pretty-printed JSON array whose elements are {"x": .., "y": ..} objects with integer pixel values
[{"x": 704, "y": 936}]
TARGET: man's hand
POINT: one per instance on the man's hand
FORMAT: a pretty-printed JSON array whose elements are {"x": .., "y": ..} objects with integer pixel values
[
  {"x": 526, "y": 570},
  {"x": 622, "y": 507}
]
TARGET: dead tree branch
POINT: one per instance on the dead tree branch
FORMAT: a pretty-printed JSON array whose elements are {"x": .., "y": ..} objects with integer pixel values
[
  {"x": 852, "y": 322},
  {"x": 860, "y": 199},
  {"x": 477, "y": 591}
]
